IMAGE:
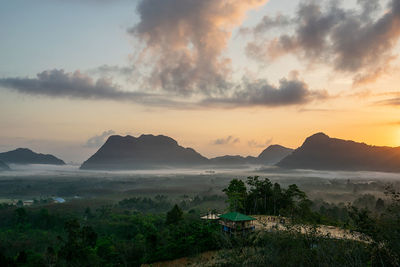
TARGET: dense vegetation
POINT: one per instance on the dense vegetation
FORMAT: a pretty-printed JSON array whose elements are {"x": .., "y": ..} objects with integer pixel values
[
  {"x": 144, "y": 230},
  {"x": 263, "y": 197}
]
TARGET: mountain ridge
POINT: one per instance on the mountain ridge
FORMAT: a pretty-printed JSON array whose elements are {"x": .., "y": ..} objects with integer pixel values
[
  {"x": 145, "y": 151},
  {"x": 27, "y": 156},
  {"x": 150, "y": 151},
  {"x": 321, "y": 152}
]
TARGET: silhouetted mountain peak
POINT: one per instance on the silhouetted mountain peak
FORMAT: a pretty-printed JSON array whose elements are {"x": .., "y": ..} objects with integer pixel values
[
  {"x": 318, "y": 138},
  {"x": 319, "y": 151},
  {"x": 143, "y": 152},
  {"x": 273, "y": 154}
]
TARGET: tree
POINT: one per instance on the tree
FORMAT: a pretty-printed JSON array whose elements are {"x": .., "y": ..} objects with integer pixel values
[
  {"x": 174, "y": 215},
  {"x": 380, "y": 204},
  {"x": 236, "y": 193},
  {"x": 78, "y": 248}
]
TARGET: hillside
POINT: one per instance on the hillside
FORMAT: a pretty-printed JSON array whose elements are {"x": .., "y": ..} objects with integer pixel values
[
  {"x": 273, "y": 154},
  {"x": 3, "y": 166},
  {"x": 27, "y": 156},
  {"x": 321, "y": 152},
  {"x": 146, "y": 151}
]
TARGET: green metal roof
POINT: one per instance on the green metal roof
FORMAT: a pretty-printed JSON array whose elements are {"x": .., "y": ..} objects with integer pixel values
[{"x": 236, "y": 217}]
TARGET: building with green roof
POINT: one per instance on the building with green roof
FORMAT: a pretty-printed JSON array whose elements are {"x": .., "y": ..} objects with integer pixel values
[{"x": 234, "y": 222}]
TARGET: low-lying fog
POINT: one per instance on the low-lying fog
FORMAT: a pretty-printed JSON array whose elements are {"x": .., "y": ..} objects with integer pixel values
[{"x": 39, "y": 181}]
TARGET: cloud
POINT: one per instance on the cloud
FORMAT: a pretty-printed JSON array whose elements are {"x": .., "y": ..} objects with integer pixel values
[
  {"x": 261, "y": 93},
  {"x": 60, "y": 84},
  {"x": 256, "y": 144},
  {"x": 98, "y": 140},
  {"x": 57, "y": 83},
  {"x": 110, "y": 70},
  {"x": 390, "y": 102},
  {"x": 184, "y": 41},
  {"x": 352, "y": 41},
  {"x": 267, "y": 23},
  {"x": 225, "y": 141}
]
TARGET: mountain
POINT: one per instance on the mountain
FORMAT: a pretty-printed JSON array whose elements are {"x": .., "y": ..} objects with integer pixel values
[
  {"x": 144, "y": 152},
  {"x": 321, "y": 152},
  {"x": 269, "y": 156},
  {"x": 273, "y": 154},
  {"x": 27, "y": 156},
  {"x": 3, "y": 166},
  {"x": 233, "y": 160}
]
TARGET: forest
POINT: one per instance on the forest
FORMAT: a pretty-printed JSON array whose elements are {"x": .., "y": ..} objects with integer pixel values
[{"x": 143, "y": 230}]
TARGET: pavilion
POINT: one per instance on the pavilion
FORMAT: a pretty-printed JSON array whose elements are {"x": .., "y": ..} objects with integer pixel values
[{"x": 234, "y": 222}]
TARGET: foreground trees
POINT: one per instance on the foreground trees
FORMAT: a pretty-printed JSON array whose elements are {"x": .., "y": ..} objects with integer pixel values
[
  {"x": 260, "y": 196},
  {"x": 120, "y": 235}
]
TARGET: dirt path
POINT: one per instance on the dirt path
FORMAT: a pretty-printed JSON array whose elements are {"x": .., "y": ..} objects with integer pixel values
[{"x": 272, "y": 222}]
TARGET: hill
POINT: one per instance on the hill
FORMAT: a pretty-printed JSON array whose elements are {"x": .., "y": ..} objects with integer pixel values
[
  {"x": 3, "y": 166},
  {"x": 27, "y": 156},
  {"x": 321, "y": 152},
  {"x": 273, "y": 154},
  {"x": 269, "y": 156},
  {"x": 144, "y": 152},
  {"x": 233, "y": 160}
]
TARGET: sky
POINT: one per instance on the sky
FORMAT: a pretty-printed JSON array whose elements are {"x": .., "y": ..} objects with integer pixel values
[{"x": 222, "y": 77}]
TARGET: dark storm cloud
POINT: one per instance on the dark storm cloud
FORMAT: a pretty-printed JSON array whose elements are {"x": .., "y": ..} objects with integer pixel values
[
  {"x": 353, "y": 41},
  {"x": 261, "y": 93}
]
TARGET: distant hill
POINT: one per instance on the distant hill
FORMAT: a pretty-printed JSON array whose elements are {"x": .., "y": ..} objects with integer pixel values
[
  {"x": 269, "y": 156},
  {"x": 273, "y": 154},
  {"x": 321, "y": 152},
  {"x": 3, "y": 166},
  {"x": 27, "y": 156},
  {"x": 144, "y": 152},
  {"x": 233, "y": 160}
]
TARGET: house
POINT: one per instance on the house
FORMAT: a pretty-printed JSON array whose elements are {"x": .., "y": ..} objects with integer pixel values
[
  {"x": 28, "y": 203},
  {"x": 58, "y": 200},
  {"x": 234, "y": 222},
  {"x": 211, "y": 216}
]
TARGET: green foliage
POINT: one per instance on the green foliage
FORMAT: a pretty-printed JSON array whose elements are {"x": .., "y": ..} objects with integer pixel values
[
  {"x": 104, "y": 234},
  {"x": 54, "y": 238},
  {"x": 263, "y": 197},
  {"x": 236, "y": 193},
  {"x": 174, "y": 216}
]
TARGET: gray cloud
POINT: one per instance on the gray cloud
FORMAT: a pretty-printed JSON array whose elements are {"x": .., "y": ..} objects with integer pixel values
[
  {"x": 225, "y": 141},
  {"x": 109, "y": 70},
  {"x": 256, "y": 144},
  {"x": 261, "y": 93},
  {"x": 353, "y": 41},
  {"x": 268, "y": 23},
  {"x": 184, "y": 41},
  {"x": 57, "y": 83},
  {"x": 98, "y": 140}
]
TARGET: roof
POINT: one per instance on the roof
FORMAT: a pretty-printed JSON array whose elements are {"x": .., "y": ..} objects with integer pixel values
[
  {"x": 59, "y": 199},
  {"x": 211, "y": 217},
  {"x": 236, "y": 217}
]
